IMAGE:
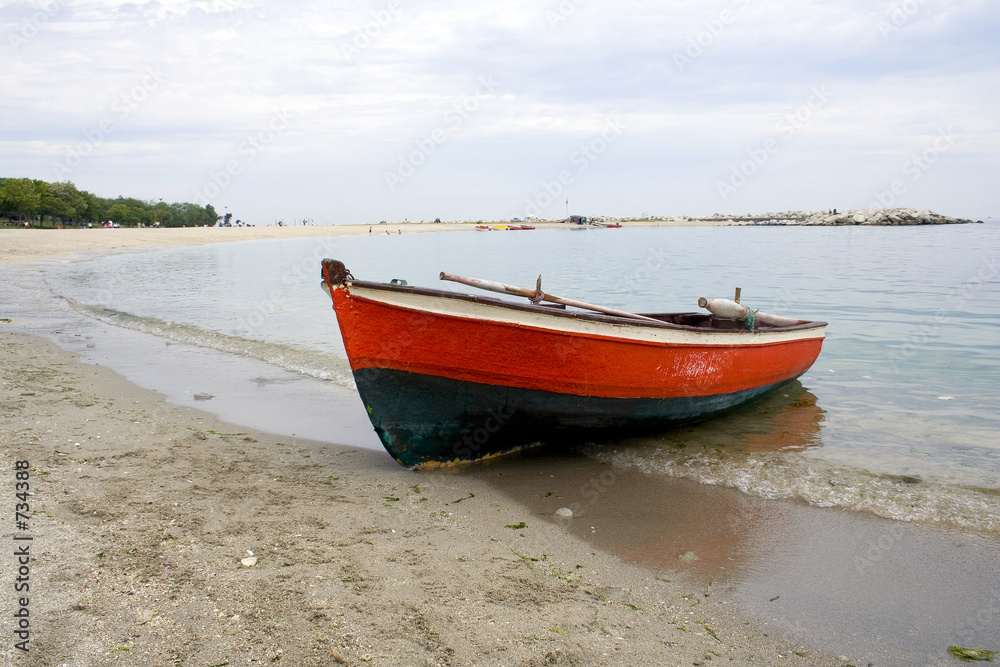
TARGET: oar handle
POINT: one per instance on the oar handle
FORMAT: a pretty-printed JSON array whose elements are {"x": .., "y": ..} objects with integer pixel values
[{"x": 489, "y": 285}]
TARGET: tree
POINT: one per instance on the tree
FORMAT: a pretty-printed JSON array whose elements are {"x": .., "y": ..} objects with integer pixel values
[
  {"x": 121, "y": 213},
  {"x": 186, "y": 215},
  {"x": 92, "y": 210},
  {"x": 62, "y": 201},
  {"x": 20, "y": 196},
  {"x": 160, "y": 213},
  {"x": 24, "y": 198}
]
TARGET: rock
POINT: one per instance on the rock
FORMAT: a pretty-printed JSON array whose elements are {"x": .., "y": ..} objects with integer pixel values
[
  {"x": 203, "y": 397},
  {"x": 868, "y": 216},
  {"x": 249, "y": 562}
]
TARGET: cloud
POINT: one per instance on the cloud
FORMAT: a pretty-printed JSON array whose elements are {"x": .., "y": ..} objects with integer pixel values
[{"x": 697, "y": 85}]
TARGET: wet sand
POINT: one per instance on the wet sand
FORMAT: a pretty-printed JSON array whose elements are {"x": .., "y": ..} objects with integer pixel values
[{"x": 162, "y": 535}]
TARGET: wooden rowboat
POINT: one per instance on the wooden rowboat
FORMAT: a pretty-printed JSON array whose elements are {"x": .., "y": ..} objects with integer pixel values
[{"x": 448, "y": 377}]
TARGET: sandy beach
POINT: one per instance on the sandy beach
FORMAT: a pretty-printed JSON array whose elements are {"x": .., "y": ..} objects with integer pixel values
[
  {"x": 160, "y": 534},
  {"x": 25, "y": 245},
  {"x": 163, "y": 536}
]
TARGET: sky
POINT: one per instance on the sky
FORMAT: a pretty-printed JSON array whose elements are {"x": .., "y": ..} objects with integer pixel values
[{"x": 358, "y": 112}]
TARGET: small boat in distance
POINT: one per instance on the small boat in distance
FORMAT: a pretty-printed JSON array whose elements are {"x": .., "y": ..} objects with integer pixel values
[{"x": 449, "y": 378}]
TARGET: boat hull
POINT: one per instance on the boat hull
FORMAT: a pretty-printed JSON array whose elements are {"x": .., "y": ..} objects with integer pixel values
[
  {"x": 448, "y": 378},
  {"x": 423, "y": 420}
]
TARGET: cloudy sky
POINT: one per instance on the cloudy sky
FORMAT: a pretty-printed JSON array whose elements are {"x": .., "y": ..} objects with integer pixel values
[{"x": 355, "y": 112}]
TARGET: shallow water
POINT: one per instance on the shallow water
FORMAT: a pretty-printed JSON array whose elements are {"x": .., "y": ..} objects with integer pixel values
[
  {"x": 897, "y": 417},
  {"x": 883, "y": 592}
]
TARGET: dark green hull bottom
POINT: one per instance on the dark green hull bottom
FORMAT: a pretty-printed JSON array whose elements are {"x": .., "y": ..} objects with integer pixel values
[{"x": 425, "y": 420}]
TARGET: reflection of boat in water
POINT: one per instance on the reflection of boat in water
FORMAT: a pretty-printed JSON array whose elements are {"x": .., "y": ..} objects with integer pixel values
[
  {"x": 449, "y": 377},
  {"x": 787, "y": 420}
]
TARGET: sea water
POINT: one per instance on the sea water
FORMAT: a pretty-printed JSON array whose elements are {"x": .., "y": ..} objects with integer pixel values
[{"x": 897, "y": 417}]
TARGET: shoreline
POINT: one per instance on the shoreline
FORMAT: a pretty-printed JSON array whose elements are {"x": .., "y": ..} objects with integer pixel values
[
  {"x": 145, "y": 514},
  {"x": 28, "y": 245}
]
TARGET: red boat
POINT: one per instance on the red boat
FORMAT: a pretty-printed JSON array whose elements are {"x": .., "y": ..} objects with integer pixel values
[{"x": 448, "y": 377}]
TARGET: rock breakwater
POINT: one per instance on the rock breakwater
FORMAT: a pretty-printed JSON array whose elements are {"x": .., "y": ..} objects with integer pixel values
[{"x": 863, "y": 216}]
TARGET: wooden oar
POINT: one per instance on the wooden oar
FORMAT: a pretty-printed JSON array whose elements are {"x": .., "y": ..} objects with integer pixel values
[{"x": 536, "y": 295}]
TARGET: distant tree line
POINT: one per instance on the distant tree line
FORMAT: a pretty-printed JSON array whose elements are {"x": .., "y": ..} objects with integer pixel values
[{"x": 49, "y": 204}]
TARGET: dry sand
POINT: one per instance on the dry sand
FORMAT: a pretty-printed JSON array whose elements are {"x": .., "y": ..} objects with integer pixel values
[
  {"x": 25, "y": 245},
  {"x": 142, "y": 514}
]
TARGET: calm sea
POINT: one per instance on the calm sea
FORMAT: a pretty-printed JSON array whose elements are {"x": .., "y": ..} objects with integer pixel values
[{"x": 898, "y": 417}]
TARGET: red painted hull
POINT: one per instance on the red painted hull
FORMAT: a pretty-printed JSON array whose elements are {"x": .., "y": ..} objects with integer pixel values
[
  {"x": 543, "y": 357},
  {"x": 472, "y": 350}
]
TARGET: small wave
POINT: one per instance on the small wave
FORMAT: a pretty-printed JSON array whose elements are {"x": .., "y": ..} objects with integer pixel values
[
  {"x": 324, "y": 367},
  {"x": 783, "y": 475}
]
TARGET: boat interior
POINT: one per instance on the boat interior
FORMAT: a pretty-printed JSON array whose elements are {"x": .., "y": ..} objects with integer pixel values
[
  {"x": 694, "y": 319},
  {"x": 708, "y": 321}
]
